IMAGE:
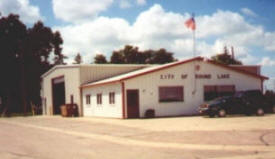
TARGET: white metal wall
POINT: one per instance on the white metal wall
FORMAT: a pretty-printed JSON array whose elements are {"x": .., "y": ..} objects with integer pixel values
[
  {"x": 75, "y": 75},
  {"x": 105, "y": 109},
  {"x": 148, "y": 87},
  {"x": 72, "y": 83}
]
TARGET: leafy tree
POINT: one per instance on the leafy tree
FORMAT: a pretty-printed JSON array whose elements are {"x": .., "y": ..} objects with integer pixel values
[
  {"x": 100, "y": 59},
  {"x": 78, "y": 59},
  {"x": 147, "y": 56},
  {"x": 162, "y": 56},
  {"x": 225, "y": 58},
  {"x": 117, "y": 57},
  {"x": 12, "y": 35},
  {"x": 25, "y": 52},
  {"x": 40, "y": 42},
  {"x": 59, "y": 60},
  {"x": 132, "y": 55}
]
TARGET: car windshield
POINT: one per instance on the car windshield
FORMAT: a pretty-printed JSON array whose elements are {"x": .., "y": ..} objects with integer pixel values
[
  {"x": 217, "y": 100},
  {"x": 251, "y": 94},
  {"x": 238, "y": 94}
]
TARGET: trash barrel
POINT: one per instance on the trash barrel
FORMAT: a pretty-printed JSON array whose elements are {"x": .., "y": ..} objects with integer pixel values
[
  {"x": 74, "y": 110},
  {"x": 69, "y": 110},
  {"x": 63, "y": 109}
]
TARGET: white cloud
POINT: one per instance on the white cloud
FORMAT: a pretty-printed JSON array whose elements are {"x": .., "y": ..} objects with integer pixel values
[
  {"x": 221, "y": 23},
  {"x": 269, "y": 42},
  {"x": 266, "y": 61},
  {"x": 79, "y": 11},
  {"x": 28, "y": 13},
  {"x": 125, "y": 4},
  {"x": 156, "y": 28},
  {"x": 248, "y": 12},
  {"x": 99, "y": 36},
  {"x": 141, "y": 2}
]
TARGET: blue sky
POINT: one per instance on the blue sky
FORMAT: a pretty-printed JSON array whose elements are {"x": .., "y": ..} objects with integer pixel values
[{"x": 101, "y": 26}]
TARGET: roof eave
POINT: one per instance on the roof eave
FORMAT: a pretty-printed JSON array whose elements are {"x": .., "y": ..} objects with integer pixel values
[{"x": 238, "y": 70}]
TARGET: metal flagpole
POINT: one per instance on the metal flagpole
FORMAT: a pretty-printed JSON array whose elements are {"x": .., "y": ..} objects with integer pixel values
[
  {"x": 194, "y": 54},
  {"x": 194, "y": 41}
]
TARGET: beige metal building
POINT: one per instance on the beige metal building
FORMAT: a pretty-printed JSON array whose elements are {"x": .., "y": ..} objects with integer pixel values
[
  {"x": 170, "y": 90},
  {"x": 61, "y": 84}
]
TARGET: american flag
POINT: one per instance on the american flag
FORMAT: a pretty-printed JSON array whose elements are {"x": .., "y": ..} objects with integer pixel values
[{"x": 190, "y": 23}]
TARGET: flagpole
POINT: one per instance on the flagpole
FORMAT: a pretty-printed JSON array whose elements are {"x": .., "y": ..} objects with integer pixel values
[
  {"x": 194, "y": 54},
  {"x": 194, "y": 43},
  {"x": 191, "y": 24}
]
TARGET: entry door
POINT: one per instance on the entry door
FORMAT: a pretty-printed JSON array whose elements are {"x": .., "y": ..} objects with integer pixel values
[{"x": 133, "y": 103}]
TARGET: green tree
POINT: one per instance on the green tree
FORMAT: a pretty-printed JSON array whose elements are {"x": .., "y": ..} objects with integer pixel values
[
  {"x": 161, "y": 56},
  {"x": 12, "y": 35},
  {"x": 25, "y": 52},
  {"x": 78, "y": 59},
  {"x": 59, "y": 60},
  {"x": 226, "y": 58},
  {"x": 147, "y": 56},
  {"x": 40, "y": 42},
  {"x": 117, "y": 58},
  {"x": 131, "y": 55},
  {"x": 100, "y": 59}
]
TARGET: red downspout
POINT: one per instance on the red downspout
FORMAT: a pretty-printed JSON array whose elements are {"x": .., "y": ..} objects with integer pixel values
[{"x": 123, "y": 99}]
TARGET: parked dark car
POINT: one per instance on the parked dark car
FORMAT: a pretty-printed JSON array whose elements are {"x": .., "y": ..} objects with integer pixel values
[
  {"x": 270, "y": 98},
  {"x": 256, "y": 98},
  {"x": 245, "y": 102}
]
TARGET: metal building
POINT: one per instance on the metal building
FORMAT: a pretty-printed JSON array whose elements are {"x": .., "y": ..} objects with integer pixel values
[
  {"x": 170, "y": 90},
  {"x": 61, "y": 84}
]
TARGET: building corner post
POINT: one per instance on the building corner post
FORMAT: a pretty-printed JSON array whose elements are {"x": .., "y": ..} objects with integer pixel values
[
  {"x": 123, "y": 100},
  {"x": 81, "y": 113}
]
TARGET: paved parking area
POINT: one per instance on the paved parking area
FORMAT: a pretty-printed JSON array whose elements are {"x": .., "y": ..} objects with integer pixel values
[{"x": 182, "y": 137}]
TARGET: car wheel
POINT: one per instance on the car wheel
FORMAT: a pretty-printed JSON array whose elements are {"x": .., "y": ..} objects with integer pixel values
[
  {"x": 222, "y": 113},
  {"x": 211, "y": 115},
  {"x": 260, "y": 112}
]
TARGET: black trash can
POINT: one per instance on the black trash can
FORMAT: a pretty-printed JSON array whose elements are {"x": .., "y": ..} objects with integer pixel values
[
  {"x": 74, "y": 110},
  {"x": 150, "y": 113}
]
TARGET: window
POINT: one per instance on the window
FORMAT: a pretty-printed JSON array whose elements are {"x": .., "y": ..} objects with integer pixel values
[
  {"x": 99, "y": 98},
  {"x": 212, "y": 92},
  {"x": 88, "y": 99},
  {"x": 171, "y": 94},
  {"x": 112, "y": 97}
]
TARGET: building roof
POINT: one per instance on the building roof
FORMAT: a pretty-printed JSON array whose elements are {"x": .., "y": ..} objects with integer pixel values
[
  {"x": 88, "y": 65},
  {"x": 148, "y": 70}
]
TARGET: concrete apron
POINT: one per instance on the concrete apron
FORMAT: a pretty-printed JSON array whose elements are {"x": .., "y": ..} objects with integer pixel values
[{"x": 133, "y": 142}]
